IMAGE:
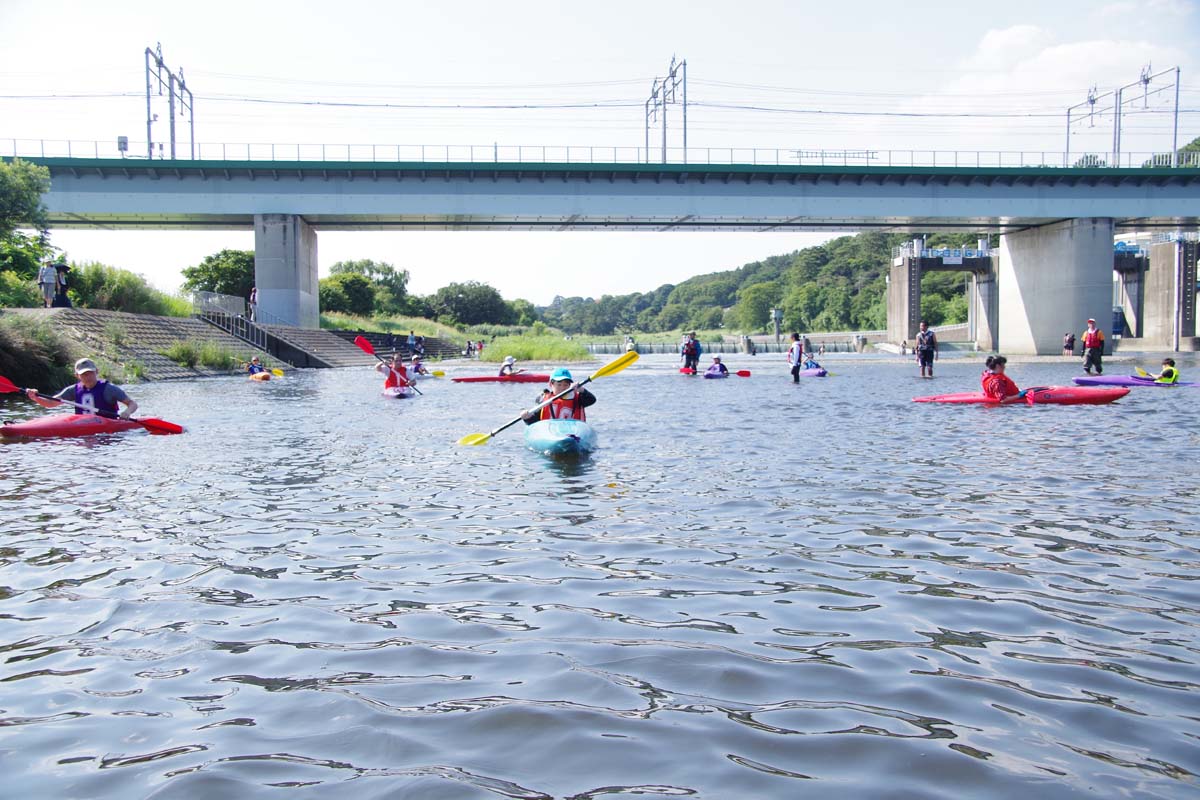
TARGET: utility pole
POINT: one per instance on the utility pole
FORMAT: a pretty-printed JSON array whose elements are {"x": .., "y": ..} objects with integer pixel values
[
  {"x": 665, "y": 91},
  {"x": 1092, "y": 100},
  {"x": 176, "y": 90}
]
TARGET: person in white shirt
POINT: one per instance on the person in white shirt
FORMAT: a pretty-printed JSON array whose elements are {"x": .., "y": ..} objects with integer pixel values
[
  {"x": 795, "y": 357},
  {"x": 47, "y": 282}
]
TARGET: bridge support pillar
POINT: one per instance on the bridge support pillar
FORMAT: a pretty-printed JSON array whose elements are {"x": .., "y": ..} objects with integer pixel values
[
  {"x": 1051, "y": 280},
  {"x": 904, "y": 300},
  {"x": 285, "y": 270},
  {"x": 1170, "y": 296},
  {"x": 983, "y": 309}
]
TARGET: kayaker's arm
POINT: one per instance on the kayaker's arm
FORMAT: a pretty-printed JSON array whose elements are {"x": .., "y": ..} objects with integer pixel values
[
  {"x": 44, "y": 402},
  {"x": 131, "y": 406}
]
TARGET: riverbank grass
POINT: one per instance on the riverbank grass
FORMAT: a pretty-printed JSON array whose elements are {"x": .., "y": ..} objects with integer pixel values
[
  {"x": 535, "y": 348},
  {"x": 190, "y": 352}
]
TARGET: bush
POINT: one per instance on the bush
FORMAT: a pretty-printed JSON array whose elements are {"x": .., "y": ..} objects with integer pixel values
[
  {"x": 34, "y": 354},
  {"x": 18, "y": 292},
  {"x": 190, "y": 352},
  {"x": 95, "y": 285}
]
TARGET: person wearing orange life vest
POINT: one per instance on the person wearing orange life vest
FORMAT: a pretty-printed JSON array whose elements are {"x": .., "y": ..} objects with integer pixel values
[
  {"x": 1093, "y": 348},
  {"x": 397, "y": 375},
  {"x": 569, "y": 406}
]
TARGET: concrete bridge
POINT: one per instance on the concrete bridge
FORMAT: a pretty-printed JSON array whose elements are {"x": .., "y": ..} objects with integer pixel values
[{"x": 1056, "y": 224}]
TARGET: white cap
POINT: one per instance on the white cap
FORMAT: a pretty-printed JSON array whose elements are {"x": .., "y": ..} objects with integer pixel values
[
  {"x": 85, "y": 365},
  {"x": 509, "y": 360}
]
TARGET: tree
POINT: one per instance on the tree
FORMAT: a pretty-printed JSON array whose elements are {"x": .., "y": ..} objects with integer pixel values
[
  {"x": 22, "y": 185},
  {"x": 523, "y": 312},
  {"x": 754, "y": 305},
  {"x": 471, "y": 303},
  {"x": 348, "y": 292},
  {"x": 227, "y": 272},
  {"x": 391, "y": 284}
]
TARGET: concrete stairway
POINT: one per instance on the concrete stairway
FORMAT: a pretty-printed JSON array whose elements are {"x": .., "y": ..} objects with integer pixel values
[
  {"x": 434, "y": 347},
  {"x": 127, "y": 338},
  {"x": 324, "y": 347}
]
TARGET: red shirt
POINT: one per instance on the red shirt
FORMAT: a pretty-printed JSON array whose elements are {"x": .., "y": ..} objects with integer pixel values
[
  {"x": 998, "y": 387},
  {"x": 396, "y": 376}
]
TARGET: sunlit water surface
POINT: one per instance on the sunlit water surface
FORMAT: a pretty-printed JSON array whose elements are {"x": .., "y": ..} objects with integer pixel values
[{"x": 753, "y": 589}]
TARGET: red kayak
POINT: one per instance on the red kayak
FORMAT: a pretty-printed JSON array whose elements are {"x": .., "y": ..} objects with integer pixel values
[
  {"x": 520, "y": 377},
  {"x": 1039, "y": 395},
  {"x": 60, "y": 425}
]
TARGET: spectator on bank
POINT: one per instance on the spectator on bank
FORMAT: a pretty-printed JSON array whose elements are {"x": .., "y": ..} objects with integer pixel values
[
  {"x": 1068, "y": 344},
  {"x": 253, "y": 302},
  {"x": 60, "y": 286},
  {"x": 47, "y": 280},
  {"x": 419, "y": 346},
  {"x": 411, "y": 341}
]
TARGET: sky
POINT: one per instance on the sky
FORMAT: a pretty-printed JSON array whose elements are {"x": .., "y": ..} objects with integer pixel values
[{"x": 859, "y": 76}]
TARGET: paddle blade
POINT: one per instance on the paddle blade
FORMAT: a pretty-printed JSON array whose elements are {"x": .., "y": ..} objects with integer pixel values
[
  {"x": 615, "y": 366},
  {"x": 364, "y": 345},
  {"x": 687, "y": 370},
  {"x": 474, "y": 439},
  {"x": 278, "y": 373},
  {"x": 160, "y": 426},
  {"x": 743, "y": 373},
  {"x": 1142, "y": 373},
  {"x": 437, "y": 373},
  {"x": 7, "y": 386}
]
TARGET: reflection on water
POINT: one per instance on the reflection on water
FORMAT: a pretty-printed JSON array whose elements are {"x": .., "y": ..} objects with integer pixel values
[{"x": 751, "y": 589}]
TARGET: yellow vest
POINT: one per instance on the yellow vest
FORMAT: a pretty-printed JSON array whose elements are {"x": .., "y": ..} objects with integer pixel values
[{"x": 1169, "y": 375}]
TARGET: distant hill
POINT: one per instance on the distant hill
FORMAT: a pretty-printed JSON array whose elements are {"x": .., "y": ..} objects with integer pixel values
[{"x": 839, "y": 285}]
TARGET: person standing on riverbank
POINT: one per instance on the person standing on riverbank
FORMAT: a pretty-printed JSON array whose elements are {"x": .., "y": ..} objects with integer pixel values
[
  {"x": 795, "y": 357},
  {"x": 47, "y": 280},
  {"x": 1068, "y": 344},
  {"x": 926, "y": 349},
  {"x": 91, "y": 395},
  {"x": 253, "y": 302},
  {"x": 1093, "y": 348}
]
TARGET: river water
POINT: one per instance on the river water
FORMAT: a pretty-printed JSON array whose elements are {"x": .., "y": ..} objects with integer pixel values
[{"x": 752, "y": 590}]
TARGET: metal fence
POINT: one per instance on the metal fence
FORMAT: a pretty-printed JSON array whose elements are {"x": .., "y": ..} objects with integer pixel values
[{"x": 585, "y": 154}]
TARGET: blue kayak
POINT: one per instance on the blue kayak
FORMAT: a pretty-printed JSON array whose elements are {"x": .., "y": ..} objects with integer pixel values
[{"x": 555, "y": 437}]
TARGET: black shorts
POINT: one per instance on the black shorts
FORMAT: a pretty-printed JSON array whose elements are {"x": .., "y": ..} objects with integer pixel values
[{"x": 925, "y": 358}]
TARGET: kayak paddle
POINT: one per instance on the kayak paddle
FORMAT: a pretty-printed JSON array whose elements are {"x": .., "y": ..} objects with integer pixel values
[
  {"x": 743, "y": 373},
  {"x": 687, "y": 370},
  {"x": 151, "y": 424},
  {"x": 611, "y": 368},
  {"x": 366, "y": 347}
]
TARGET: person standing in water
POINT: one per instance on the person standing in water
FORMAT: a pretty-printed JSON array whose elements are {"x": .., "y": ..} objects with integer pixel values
[
  {"x": 926, "y": 349},
  {"x": 1093, "y": 348}
]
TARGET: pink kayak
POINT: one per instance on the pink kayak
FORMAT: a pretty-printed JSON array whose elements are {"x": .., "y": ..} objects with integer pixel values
[
  {"x": 520, "y": 377},
  {"x": 1039, "y": 395}
]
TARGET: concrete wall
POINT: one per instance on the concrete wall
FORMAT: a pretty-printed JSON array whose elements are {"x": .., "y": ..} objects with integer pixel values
[
  {"x": 1051, "y": 280},
  {"x": 285, "y": 270},
  {"x": 983, "y": 311},
  {"x": 1170, "y": 297},
  {"x": 904, "y": 301},
  {"x": 1131, "y": 291}
]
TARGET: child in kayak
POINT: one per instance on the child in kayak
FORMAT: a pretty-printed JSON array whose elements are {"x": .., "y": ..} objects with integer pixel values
[
  {"x": 397, "y": 375},
  {"x": 997, "y": 385},
  {"x": 569, "y": 406},
  {"x": 717, "y": 368},
  {"x": 809, "y": 363},
  {"x": 1169, "y": 374},
  {"x": 91, "y": 395},
  {"x": 255, "y": 366},
  {"x": 509, "y": 367},
  {"x": 417, "y": 368}
]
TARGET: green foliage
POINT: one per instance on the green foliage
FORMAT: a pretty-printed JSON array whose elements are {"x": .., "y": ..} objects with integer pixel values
[
  {"x": 397, "y": 325},
  {"x": 752, "y": 311},
  {"x": 114, "y": 332},
  {"x": 24, "y": 254},
  {"x": 1090, "y": 160},
  {"x": 95, "y": 285},
  {"x": 390, "y": 284},
  {"x": 190, "y": 352},
  {"x": 471, "y": 303},
  {"x": 32, "y": 353},
  {"x": 227, "y": 272},
  {"x": 348, "y": 293},
  {"x": 18, "y": 292},
  {"x": 535, "y": 348},
  {"x": 22, "y": 185}
]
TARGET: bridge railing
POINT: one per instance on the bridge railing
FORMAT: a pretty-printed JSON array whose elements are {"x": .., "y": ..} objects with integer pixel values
[{"x": 577, "y": 154}]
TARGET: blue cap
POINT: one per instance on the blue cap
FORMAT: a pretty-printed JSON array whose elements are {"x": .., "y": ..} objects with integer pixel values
[{"x": 561, "y": 374}]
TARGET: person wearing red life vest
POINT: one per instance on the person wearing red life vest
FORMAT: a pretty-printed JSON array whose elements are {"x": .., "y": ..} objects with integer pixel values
[
  {"x": 1093, "y": 348},
  {"x": 998, "y": 386},
  {"x": 397, "y": 375},
  {"x": 570, "y": 406}
]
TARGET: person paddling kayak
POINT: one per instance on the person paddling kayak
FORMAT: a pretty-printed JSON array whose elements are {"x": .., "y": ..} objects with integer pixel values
[
  {"x": 996, "y": 385},
  {"x": 93, "y": 395},
  {"x": 417, "y": 367},
  {"x": 509, "y": 367},
  {"x": 717, "y": 368},
  {"x": 397, "y": 375},
  {"x": 255, "y": 366},
  {"x": 1169, "y": 374},
  {"x": 569, "y": 406}
]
